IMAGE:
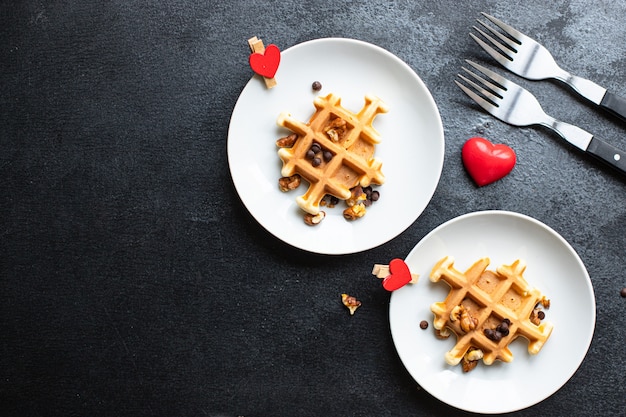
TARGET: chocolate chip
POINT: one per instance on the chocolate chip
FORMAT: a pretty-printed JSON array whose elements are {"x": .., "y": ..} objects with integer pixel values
[
  {"x": 316, "y": 162},
  {"x": 493, "y": 335},
  {"x": 541, "y": 315},
  {"x": 315, "y": 147},
  {"x": 316, "y": 86},
  {"x": 423, "y": 324},
  {"x": 623, "y": 292},
  {"x": 375, "y": 195},
  {"x": 503, "y": 327},
  {"x": 310, "y": 154},
  {"x": 490, "y": 333},
  {"x": 504, "y": 331},
  {"x": 327, "y": 155}
]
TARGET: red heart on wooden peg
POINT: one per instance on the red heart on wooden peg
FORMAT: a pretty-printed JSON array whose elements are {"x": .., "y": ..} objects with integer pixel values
[
  {"x": 486, "y": 162},
  {"x": 399, "y": 275},
  {"x": 266, "y": 63}
]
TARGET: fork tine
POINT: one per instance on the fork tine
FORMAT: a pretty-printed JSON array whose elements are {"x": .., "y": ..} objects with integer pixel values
[
  {"x": 488, "y": 99},
  {"x": 478, "y": 99},
  {"x": 515, "y": 34},
  {"x": 493, "y": 93},
  {"x": 488, "y": 95},
  {"x": 501, "y": 81},
  {"x": 510, "y": 44},
  {"x": 504, "y": 60}
]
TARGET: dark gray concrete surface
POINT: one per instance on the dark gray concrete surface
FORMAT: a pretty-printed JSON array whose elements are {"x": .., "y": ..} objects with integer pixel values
[{"x": 134, "y": 282}]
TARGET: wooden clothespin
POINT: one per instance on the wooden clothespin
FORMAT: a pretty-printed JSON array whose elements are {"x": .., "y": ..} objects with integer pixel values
[
  {"x": 264, "y": 61},
  {"x": 395, "y": 275}
]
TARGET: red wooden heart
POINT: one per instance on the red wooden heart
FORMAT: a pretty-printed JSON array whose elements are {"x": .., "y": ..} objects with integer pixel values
[
  {"x": 486, "y": 162},
  {"x": 266, "y": 63},
  {"x": 399, "y": 275}
]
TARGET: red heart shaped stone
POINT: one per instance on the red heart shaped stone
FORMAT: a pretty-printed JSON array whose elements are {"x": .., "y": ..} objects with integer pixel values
[
  {"x": 486, "y": 162},
  {"x": 399, "y": 275},
  {"x": 266, "y": 63}
]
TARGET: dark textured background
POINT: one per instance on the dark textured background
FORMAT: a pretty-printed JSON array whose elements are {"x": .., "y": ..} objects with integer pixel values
[{"x": 134, "y": 282}]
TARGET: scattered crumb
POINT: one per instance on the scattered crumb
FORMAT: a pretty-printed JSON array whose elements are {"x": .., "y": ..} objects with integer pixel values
[{"x": 350, "y": 302}]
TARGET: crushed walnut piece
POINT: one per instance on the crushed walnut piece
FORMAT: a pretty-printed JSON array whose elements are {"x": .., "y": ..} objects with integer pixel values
[
  {"x": 287, "y": 141},
  {"x": 289, "y": 183},
  {"x": 357, "y": 196},
  {"x": 314, "y": 219},
  {"x": 471, "y": 358},
  {"x": 354, "y": 212},
  {"x": 350, "y": 302},
  {"x": 538, "y": 314},
  {"x": 442, "y": 333},
  {"x": 466, "y": 321},
  {"x": 336, "y": 129}
]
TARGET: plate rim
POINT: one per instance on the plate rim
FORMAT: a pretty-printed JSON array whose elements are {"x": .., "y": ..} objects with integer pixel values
[
  {"x": 590, "y": 294},
  {"x": 437, "y": 128}
]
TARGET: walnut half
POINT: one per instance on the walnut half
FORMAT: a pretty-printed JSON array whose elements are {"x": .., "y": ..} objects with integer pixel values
[
  {"x": 466, "y": 321},
  {"x": 287, "y": 141},
  {"x": 314, "y": 219},
  {"x": 289, "y": 183},
  {"x": 354, "y": 212},
  {"x": 471, "y": 358},
  {"x": 336, "y": 129}
]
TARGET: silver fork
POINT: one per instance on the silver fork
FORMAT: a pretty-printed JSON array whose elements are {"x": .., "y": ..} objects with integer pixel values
[
  {"x": 513, "y": 104},
  {"x": 529, "y": 59}
]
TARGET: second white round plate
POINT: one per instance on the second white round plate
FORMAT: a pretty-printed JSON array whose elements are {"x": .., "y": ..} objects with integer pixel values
[
  {"x": 553, "y": 267},
  {"x": 411, "y": 148}
]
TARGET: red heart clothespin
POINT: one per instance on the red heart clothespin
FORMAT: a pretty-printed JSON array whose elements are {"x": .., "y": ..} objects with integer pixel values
[
  {"x": 266, "y": 63},
  {"x": 264, "y": 60},
  {"x": 486, "y": 162},
  {"x": 395, "y": 275}
]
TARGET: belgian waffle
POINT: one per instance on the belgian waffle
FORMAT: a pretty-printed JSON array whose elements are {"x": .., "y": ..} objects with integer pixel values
[
  {"x": 349, "y": 141},
  {"x": 488, "y": 297}
]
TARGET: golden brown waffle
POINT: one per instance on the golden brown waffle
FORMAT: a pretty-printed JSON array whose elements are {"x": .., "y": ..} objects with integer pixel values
[
  {"x": 350, "y": 145},
  {"x": 488, "y": 298}
]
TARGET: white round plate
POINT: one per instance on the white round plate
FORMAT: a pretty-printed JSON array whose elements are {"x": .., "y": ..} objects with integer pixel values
[
  {"x": 411, "y": 149},
  {"x": 553, "y": 267}
]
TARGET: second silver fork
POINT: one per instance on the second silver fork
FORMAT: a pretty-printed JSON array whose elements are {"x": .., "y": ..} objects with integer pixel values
[
  {"x": 513, "y": 104},
  {"x": 527, "y": 58}
]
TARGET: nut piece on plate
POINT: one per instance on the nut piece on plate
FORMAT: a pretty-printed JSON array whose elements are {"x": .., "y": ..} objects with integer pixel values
[
  {"x": 357, "y": 196},
  {"x": 287, "y": 141},
  {"x": 351, "y": 302},
  {"x": 466, "y": 321},
  {"x": 354, "y": 212},
  {"x": 336, "y": 129},
  {"x": 537, "y": 315},
  {"x": 471, "y": 358},
  {"x": 314, "y": 219},
  {"x": 289, "y": 183},
  {"x": 443, "y": 333}
]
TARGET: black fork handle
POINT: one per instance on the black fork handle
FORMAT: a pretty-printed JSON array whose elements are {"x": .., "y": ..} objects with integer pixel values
[
  {"x": 615, "y": 104},
  {"x": 608, "y": 154}
]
